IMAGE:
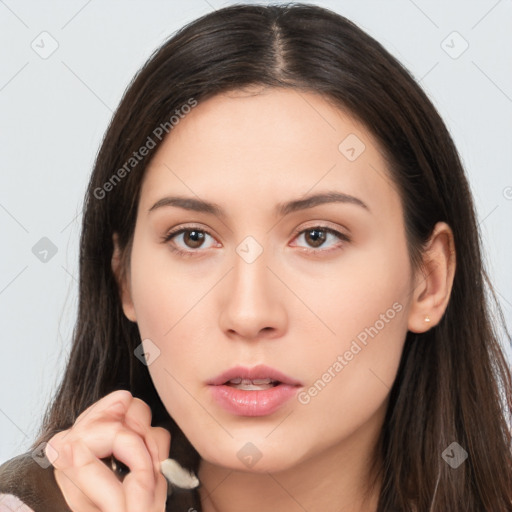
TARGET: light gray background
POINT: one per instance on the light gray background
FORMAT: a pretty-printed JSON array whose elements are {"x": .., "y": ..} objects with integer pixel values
[{"x": 54, "y": 111}]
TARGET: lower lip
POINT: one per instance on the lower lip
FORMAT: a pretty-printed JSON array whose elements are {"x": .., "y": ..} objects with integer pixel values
[{"x": 252, "y": 403}]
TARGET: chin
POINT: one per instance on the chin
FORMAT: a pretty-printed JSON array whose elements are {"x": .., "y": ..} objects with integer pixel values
[{"x": 257, "y": 456}]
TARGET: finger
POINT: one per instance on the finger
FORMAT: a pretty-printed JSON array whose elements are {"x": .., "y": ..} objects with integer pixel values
[
  {"x": 98, "y": 437},
  {"x": 138, "y": 415},
  {"x": 162, "y": 438},
  {"x": 138, "y": 418},
  {"x": 87, "y": 484},
  {"x": 82, "y": 470},
  {"x": 157, "y": 439},
  {"x": 131, "y": 450},
  {"x": 114, "y": 404},
  {"x": 140, "y": 484},
  {"x": 135, "y": 495}
]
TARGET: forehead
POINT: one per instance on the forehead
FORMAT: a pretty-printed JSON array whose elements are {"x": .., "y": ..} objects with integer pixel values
[{"x": 266, "y": 145}]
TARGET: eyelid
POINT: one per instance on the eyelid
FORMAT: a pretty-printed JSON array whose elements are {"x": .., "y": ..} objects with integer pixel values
[
  {"x": 167, "y": 237},
  {"x": 180, "y": 229},
  {"x": 344, "y": 238},
  {"x": 323, "y": 225}
]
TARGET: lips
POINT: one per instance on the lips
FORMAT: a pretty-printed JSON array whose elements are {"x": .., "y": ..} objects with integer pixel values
[
  {"x": 257, "y": 391},
  {"x": 257, "y": 375}
]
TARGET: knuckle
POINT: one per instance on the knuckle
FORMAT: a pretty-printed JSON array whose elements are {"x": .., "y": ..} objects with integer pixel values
[
  {"x": 161, "y": 434},
  {"x": 120, "y": 394},
  {"x": 58, "y": 438},
  {"x": 144, "y": 479},
  {"x": 143, "y": 405},
  {"x": 127, "y": 436}
]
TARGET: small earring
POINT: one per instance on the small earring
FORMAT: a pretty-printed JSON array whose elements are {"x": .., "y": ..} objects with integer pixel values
[{"x": 427, "y": 318}]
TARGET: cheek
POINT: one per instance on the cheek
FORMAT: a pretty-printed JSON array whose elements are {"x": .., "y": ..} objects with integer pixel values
[
  {"x": 351, "y": 372},
  {"x": 365, "y": 296},
  {"x": 163, "y": 294}
]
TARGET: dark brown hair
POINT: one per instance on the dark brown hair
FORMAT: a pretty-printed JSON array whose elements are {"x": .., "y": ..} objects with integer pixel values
[{"x": 453, "y": 382}]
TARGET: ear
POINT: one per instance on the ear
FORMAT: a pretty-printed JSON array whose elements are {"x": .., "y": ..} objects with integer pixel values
[
  {"x": 121, "y": 274},
  {"x": 433, "y": 282}
]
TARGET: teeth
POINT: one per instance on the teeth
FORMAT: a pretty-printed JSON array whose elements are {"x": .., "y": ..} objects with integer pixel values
[
  {"x": 256, "y": 382},
  {"x": 251, "y": 384},
  {"x": 260, "y": 382}
]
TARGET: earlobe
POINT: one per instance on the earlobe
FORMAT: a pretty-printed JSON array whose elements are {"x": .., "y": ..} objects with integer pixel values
[
  {"x": 434, "y": 281},
  {"x": 123, "y": 284}
]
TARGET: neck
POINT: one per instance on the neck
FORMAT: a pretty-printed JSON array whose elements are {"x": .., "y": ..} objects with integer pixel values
[{"x": 338, "y": 479}]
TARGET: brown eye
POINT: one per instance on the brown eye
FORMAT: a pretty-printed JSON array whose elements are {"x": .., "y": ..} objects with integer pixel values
[
  {"x": 187, "y": 241},
  {"x": 193, "y": 238},
  {"x": 315, "y": 237}
]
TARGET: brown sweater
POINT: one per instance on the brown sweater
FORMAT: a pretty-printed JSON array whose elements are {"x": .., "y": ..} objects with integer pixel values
[{"x": 36, "y": 487}]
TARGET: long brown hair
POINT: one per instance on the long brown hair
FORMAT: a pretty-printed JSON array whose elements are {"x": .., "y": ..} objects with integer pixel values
[{"x": 453, "y": 382}]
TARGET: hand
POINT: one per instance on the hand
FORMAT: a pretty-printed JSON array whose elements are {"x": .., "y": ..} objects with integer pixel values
[{"x": 118, "y": 425}]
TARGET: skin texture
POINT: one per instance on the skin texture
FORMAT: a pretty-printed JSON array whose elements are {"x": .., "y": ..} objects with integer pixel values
[
  {"x": 118, "y": 424},
  {"x": 291, "y": 309}
]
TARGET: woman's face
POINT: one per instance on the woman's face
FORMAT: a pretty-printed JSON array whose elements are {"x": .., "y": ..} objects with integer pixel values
[{"x": 262, "y": 283}]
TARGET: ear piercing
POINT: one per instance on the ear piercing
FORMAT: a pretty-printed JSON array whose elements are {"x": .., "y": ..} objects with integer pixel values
[{"x": 427, "y": 318}]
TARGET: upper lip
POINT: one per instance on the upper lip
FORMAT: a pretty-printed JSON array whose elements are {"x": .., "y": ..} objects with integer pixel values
[{"x": 256, "y": 372}]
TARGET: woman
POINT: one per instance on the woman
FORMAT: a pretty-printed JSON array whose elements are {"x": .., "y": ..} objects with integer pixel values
[{"x": 280, "y": 267}]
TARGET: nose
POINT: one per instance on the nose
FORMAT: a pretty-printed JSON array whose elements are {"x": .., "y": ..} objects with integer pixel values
[{"x": 253, "y": 301}]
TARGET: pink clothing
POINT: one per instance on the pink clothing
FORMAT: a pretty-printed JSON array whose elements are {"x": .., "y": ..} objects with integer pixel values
[{"x": 10, "y": 503}]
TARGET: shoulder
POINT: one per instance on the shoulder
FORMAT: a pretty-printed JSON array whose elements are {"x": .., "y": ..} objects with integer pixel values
[{"x": 30, "y": 484}]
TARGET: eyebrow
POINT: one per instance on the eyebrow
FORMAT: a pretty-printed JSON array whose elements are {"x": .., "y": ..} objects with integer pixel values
[{"x": 282, "y": 209}]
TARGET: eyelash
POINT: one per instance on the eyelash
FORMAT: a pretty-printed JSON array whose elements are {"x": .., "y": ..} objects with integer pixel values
[{"x": 169, "y": 236}]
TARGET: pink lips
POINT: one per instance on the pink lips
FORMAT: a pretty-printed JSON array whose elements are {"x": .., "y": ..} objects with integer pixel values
[{"x": 253, "y": 403}]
